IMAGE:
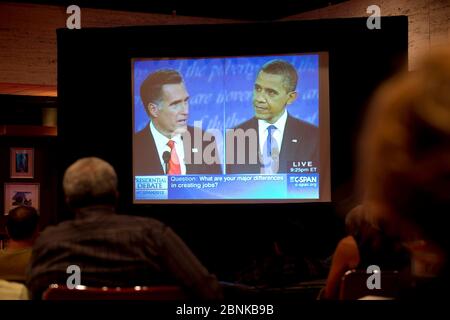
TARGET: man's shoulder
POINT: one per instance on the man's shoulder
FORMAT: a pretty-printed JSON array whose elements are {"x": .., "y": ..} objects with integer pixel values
[
  {"x": 296, "y": 127},
  {"x": 193, "y": 129},
  {"x": 143, "y": 134},
  {"x": 250, "y": 123},
  {"x": 204, "y": 134},
  {"x": 129, "y": 222},
  {"x": 123, "y": 222},
  {"x": 147, "y": 227},
  {"x": 140, "y": 220},
  {"x": 295, "y": 122},
  {"x": 57, "y": 228},
  {"x": 53, "y": 233}
]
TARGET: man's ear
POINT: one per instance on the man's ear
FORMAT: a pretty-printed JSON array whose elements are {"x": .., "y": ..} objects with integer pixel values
[
  {"x": 291, "y": 97},
  {"x": 153, "y": 109}
]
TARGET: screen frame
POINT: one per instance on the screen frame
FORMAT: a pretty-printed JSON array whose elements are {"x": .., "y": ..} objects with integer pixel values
[{"x": 323, "y": 126}]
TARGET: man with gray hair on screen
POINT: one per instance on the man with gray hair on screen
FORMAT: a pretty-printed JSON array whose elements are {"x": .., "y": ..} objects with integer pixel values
[{"x": 110, "y": 249}]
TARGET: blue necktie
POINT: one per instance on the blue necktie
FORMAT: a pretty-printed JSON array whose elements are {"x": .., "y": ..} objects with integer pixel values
[
  {"x": 270, "y": 153},
  {"x": 270, "y": 130}
]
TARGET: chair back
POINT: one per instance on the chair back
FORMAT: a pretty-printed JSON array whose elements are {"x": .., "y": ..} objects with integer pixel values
[
  {"x": 160, "y": 293},
  {"x": 354, "y": 285}
]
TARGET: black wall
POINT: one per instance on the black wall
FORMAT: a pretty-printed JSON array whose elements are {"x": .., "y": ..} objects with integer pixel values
[
  {"x": 94, "y": 118},
  {"x": 21, "y": 112}
]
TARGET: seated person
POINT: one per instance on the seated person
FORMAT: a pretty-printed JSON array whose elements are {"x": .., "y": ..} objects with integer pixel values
[
  {"x": 366, "y": 245},
  {"x": 405, "y": 157},
  {"x": 110, "y": 249},
  {"x": 21, "y": 226}
]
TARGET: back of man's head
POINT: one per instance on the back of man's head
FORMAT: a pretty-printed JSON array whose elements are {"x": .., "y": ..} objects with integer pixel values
[
  {"x": 151, "y": 87},
  {"x": 22, "y": 222},
  {"x": 90, "y": 181},
  {"x": 285, "y": 69}
]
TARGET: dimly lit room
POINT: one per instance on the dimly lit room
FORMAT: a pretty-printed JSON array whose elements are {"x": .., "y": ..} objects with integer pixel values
[{"x": 204, "y": 154}]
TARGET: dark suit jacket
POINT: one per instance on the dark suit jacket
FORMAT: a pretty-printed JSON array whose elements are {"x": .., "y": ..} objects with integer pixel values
[
  {"x": 146, "y": 159},
  {"x": 117, "y": 250},
  {"x": 300, "y": 143}
]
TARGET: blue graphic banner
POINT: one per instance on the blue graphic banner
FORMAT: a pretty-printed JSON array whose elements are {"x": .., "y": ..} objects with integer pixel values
[{"x": 236, "y": 186}]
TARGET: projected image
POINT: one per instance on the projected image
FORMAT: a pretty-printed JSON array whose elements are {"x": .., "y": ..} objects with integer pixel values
[{"x": 238, "y": 128}]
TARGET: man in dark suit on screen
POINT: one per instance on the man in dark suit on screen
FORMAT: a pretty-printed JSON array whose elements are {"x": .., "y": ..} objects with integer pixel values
[
  {"x": 167, "y": 145},
  {"x": 277, "y": 142}
]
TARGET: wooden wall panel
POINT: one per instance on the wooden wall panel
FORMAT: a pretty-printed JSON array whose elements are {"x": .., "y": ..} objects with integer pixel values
[
  {"x": 28, "y": 36},
  {"x": 28, "y": 31},
  {"x": 428, "y": 20}
]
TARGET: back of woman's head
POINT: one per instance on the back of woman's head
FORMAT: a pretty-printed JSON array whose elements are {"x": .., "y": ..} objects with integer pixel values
[
  {"x": 405, "y": 150},
  {"x": 356, "y": 221}
]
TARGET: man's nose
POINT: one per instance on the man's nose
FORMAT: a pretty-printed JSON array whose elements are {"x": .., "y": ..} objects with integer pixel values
[
  {"x": 185, "y": 107},
  {"x": 260, "y": 97}
]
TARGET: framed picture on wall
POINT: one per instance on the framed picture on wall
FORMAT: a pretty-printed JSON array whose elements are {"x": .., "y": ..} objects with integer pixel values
[
  {"x": 18, "y": 194},
  {"x": 22, "y": 162}
]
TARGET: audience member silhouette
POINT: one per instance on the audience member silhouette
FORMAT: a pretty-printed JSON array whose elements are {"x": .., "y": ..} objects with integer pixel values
[
  {"x": 405, "y": 156},
  {"x": 22, "y": 229},
  {"x": 366, "y": 244},
  {"x": 110, "y": 249}
]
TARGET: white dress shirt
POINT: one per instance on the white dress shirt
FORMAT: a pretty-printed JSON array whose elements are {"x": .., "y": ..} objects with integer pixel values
[
  {"x": 161, "y": 145},
  {"x": 277, "y": 134}
]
